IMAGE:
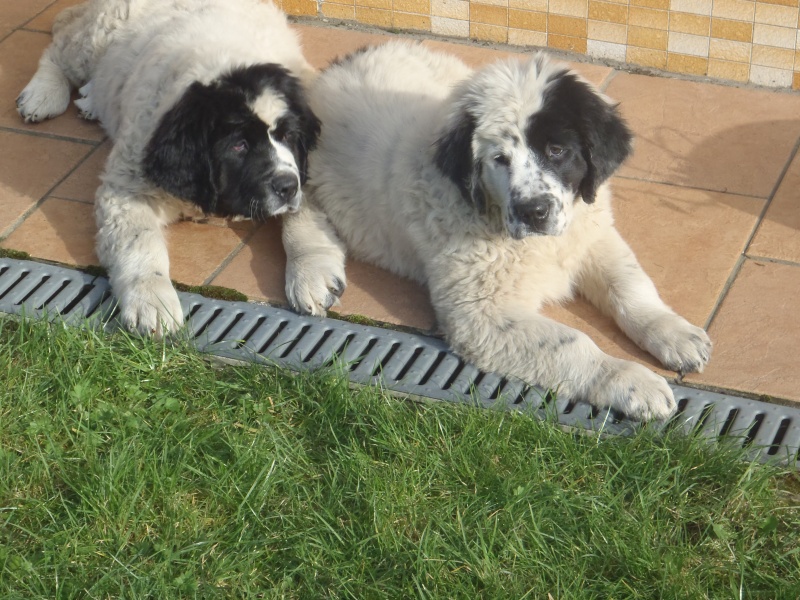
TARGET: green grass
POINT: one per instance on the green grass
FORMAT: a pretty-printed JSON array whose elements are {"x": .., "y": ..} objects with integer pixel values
[{"x": 132, "y": 469}]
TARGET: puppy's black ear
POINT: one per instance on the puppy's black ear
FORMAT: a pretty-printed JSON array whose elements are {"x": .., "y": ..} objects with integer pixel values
[
  {"x": 453, "y": 155},
  {"x": 605, "y": 137},
  {"x": 178, "y": 155},
  {"x": 308, "y": 129}
]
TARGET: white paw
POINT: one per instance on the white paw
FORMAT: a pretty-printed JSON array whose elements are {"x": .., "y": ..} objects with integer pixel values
[
  {"x": 677, "y": 344},
  {"x": 633, "y": 389},
  {"x": 315, "y": 281},
  {"x": 84, "y": 103},
  {"x": 150, "y": 306},
  {"x": 43, "y": 98}
]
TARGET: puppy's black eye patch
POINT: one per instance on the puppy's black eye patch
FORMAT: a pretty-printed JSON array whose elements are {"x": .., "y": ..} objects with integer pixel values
[{"x": 284, "y": 130}]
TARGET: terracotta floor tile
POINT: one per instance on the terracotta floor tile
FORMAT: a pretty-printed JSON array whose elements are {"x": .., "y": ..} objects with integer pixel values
[
  {"x": 778, "y": 236},
  {"x": 757, "y": 333},
  {"x": 196, "y": 250},
  {"x": 258, "y": 271},
  {"x": 44, "y": 20},
  {"x": 707, "y": 136},
  {"x": 29, "y": 167},
  {"x": 687, "y": 240},
  {"x": 82, "y": 183},
  {"x": 14, "y": 13},
  {"x": 322, "y": 44},
  {"x": 476, "y": 56},
  {"x": 59, "y": 230},
  {"x": 19, "y": 56}
]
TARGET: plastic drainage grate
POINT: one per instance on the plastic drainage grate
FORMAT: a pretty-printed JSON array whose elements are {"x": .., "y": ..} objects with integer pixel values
[{"x": 403, "y": 363}]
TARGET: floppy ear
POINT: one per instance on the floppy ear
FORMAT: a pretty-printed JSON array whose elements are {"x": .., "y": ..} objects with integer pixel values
[
  {"x": 454, "y": 158},
  {"x": 607, "y": 141},
  {"x": 178, "y": 155},
  {"x": 308, "y": 129}
]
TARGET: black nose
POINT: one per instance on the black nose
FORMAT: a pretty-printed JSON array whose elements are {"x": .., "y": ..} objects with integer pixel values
[
  {"x": 285, "y": 186},
  {"x": 534, "y": 212}
]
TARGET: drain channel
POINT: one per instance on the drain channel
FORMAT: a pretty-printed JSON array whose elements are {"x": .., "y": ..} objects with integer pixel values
[{"x": 401, "y": 362}]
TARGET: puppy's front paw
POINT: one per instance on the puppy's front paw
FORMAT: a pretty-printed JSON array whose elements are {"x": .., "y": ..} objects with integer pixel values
[
  {"x": 677, "y": 344},
  {"x": 150, "y": 307},
  {"x": 85, "y": 105},
  {"x": 315, "y": 282},
  {"x": 634, "y": 390},
  {"x": 43, "y": 98}
]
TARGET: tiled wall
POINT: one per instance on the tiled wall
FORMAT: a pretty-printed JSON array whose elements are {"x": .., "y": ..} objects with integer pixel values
[{"x": 739, "y": 40}]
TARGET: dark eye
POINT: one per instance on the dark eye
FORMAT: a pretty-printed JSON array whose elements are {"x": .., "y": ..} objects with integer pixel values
[
  {"x": 501, "y": 159},
  {"x": 554, "y": 151},
  {"x": 240, "y": 146}
]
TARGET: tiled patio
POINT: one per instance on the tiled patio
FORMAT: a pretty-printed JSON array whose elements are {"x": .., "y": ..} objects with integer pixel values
[{"x": 709, "y": 202}]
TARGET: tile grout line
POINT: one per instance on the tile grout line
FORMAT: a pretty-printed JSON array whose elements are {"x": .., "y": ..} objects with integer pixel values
[
  {"x": 608, "y": 79},
  {"x": 231, "y": 256},
  {"x": 21, "y": 219},
  {"x": 37, "y": 15},
  {"x": 777, "y": 261},
  {"x": 690, "y": 187},
  {"x": 53, "y": 136},
  {"x": 743, "y": 256}
]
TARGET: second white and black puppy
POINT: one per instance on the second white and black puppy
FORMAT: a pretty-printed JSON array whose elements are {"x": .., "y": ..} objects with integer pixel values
[
  {"x": 205, "y": 103},
  {"x": 490, "y": 188}
]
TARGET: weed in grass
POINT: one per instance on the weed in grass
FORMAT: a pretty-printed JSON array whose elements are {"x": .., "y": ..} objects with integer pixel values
[{"x": 131, "y": 468}]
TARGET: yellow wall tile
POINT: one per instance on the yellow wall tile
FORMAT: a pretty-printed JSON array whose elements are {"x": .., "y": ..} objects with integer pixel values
[
  {"x": 374, "y": 16},
  {"x": 450, "y": 27},
  {"x": 686, "y": 43},
  {"x": 729, "y": 50},
  {"x": 527, "y": 19},
  {"x": 646, "y": 57},
  {"x": 488, "y": 14},
  {"x": 489, "y": 33},
  {"x": 571, "y": 26},
  {"x": 300, "y": 7},
  {"x": 689, "y": 23},
  {"x": 734, "y": 71},
  {"x": 570, "y": 8},
  {"x": 655, "y": 39},
  {"x": 452, "y": 9},
  {"x": 648, "y": 17},
  {"x": 339, "y": 11},
  {"x": 659, "y": 4},
  {"x": 737, "y": 31},
  {"x": 568, "y": 43},
  {"x": 420, "y": 7},
  {"x": 781, "y": 2},
  {"x": 503, "y": 3},
  {"x": 767, "y": 56},
  {"x": 413, "y": 21},
  {"x": 609, "y": 12},
  {"x": 383, "y": 4},
  {"x": 539, "y": 5},
  {"x": 772, "y": 14},
  {"x": 608, "y": 32},
  {"x": 796, "y": 81},
  {"x": 524, "y": 37},
  {"x": 681, "y": 63},
  {"x": 739, "y": 10}
]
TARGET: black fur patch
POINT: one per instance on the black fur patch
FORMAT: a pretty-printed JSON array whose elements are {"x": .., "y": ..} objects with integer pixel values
[
  {"x": 453, "y": 155},
  {"x": 195, "y": 152},
  {"x": 574, "y": 117}
]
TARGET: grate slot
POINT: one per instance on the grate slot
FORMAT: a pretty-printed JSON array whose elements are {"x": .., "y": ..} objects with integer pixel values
[
  {"x": 222, "y": 327},
  {"x": 403, "y": 361},
  {"x": 277, "y": 346},
  {"x": 57, "y": 290},
  {"x": 752, "y": 431},
  {"x": 245, "y": 337},
  {"x": 203, "y": 320},
  {"x": 290, "y": 345},
  {"x": 31, "y": 290},
  {"x": 430, "y": 362},
  {"x": 315, "y": 349},
  {"x": 75, "y": 302},
  {"x": 11, "y": 284},
  {"x": 275, "y": 331},
  {"x": 777, "y": 441}
]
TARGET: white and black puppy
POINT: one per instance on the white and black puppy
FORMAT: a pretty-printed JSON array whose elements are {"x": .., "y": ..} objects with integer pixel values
[
  {"x": 490, "y": 188},
  {"x": 204, "y": 101}
]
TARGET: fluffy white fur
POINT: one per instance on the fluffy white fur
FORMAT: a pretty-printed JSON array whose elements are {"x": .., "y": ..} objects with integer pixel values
[
  {"x": 385, "y": 111},
  {"x": 133, "y": 60}
]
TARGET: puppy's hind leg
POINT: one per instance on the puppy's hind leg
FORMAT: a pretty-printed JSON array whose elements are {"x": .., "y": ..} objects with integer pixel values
[
  {"x": 131, "y": 245},
  {"x": 315, "y": 277}
]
